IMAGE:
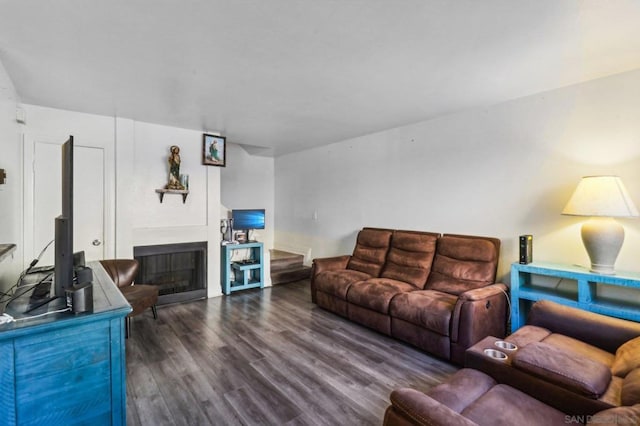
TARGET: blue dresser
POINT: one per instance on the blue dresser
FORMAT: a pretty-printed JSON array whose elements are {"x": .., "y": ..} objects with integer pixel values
[
  {"x": 66, "y": 369},
  {"x": 584, "y": 290}
]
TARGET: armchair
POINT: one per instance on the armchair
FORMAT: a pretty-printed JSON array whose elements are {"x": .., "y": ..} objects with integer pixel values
[{"x": 139, "y": 296}]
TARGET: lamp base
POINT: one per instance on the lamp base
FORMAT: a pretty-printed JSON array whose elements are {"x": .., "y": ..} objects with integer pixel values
[
  {"x": 602, "y": 269},
  {"x": 602, "y": 238}
]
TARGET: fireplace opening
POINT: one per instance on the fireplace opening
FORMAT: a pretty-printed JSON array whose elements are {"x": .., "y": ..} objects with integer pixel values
[{"x": 178, "y": 270}]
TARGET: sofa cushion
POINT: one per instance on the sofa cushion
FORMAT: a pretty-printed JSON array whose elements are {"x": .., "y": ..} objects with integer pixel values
[
  {"x": 462, "y": 389},
  {"x": 614, "y": 416},
  {"x": 338, "y": 282},
  {"x": 627, "y": 358},
  {"x": 370, "y": 251},
  {"x": 427, "y": 308},
  {"x": 528, "y": 334},
  {"x": 410, "y": 257},
  {"x": 376, "y": 294},
  {"x": 463, "y": 263},
  {"x": 575, "y": 346},
  {"x": 612, "y": 395},
  {"x": 569, "y": 370},
  {"x": 630, "y": 393},
  {"x": 504, "y": 405}
]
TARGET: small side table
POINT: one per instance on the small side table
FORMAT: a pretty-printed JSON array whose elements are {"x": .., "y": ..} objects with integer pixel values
[{"x": 248, "y": 273}]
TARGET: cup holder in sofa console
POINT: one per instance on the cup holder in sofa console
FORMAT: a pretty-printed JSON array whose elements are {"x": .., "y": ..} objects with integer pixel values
[
  {"x": 507, "y": 346},
  {"x": 495, "y": 354}
]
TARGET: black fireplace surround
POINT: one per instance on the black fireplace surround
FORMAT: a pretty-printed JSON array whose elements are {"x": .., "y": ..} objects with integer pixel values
[{"x": 178, "y": 270}]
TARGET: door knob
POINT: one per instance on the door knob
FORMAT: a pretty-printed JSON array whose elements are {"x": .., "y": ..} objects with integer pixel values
[{"x": 96, "y": 242}]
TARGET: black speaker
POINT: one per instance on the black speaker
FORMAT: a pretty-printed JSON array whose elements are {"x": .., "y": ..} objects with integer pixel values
[
  {"x": 80, "y": 298},
  {"x": 526, "y": 249},
  {"x": 84, "y": 275}
]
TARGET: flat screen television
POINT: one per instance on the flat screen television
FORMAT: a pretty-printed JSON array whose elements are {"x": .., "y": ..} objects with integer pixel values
[
  {"x": 63, "y": 267},
  {"x": 247, "y": 219}
]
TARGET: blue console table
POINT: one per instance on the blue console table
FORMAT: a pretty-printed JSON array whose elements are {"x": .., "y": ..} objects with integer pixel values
[
  {"x": 583, "y": 294},
  {"x": 65, "y": 369},
  {"x": 245, "y": 273}
]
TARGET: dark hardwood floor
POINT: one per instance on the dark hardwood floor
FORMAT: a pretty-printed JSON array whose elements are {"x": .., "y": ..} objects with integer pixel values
[{"x": 265, "y": 357}]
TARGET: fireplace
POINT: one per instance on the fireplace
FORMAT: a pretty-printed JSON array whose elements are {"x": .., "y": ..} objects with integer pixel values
[{"x": 178, "y": 270}]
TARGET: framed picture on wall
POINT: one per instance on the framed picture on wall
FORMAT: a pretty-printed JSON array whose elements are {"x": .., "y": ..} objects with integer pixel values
[{"x": 214, "y": 150}]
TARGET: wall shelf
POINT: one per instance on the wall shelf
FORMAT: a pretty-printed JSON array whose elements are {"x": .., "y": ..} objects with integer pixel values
[{"x": 183, "y": 192}]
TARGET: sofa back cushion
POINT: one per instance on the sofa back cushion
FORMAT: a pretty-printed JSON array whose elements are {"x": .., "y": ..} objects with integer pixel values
[
  {"x": 463, "y": 262},
  {"x": 410, "y": 257},
  {"x": 630, "y": 394},
  {"x": 627, "y": 358},
  {"x": 370, "y": 251}
]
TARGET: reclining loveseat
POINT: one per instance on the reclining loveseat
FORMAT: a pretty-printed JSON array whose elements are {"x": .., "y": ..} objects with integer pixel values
[
  {"x": 436, "y": 292},
  {"x": 566, "y": 366}
]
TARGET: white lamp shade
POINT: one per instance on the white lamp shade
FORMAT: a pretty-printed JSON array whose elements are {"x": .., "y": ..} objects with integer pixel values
[{"x": 601, "y": 196}]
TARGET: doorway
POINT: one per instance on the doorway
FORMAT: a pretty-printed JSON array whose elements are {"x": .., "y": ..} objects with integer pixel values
[{"x": 42, "y": 177}]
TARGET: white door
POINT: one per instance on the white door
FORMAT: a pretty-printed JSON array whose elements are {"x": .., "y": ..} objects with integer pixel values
[{"x": 88, "y": 199}]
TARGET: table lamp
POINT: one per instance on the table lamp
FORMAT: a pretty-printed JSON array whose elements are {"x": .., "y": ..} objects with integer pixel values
[{"x": 603, "y": 198}]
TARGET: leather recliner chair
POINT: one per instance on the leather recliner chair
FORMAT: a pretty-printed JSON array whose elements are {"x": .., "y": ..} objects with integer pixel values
[{"x": 139, "y": 296}]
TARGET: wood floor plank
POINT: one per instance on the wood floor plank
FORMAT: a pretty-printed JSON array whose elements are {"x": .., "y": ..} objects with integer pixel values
[{"x": 266, "y": 357}]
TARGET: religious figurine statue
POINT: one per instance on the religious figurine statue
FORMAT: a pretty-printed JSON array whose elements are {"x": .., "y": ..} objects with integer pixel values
[{"x": 174, "y": 168}]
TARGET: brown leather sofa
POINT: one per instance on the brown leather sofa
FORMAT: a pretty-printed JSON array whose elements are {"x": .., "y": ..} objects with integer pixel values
[
  {"x": 437, "y": 292},
  {"x": 567, "y": 366}
]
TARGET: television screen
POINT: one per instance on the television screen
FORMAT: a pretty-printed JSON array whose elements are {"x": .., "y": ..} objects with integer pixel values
[
  {"x": 248, "y": 219},
  {"x": 63, "y": 274}
]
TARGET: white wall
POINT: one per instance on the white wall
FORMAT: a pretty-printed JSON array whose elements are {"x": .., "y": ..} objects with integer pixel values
[
  {"x": 11, "y": 191},
  {"x": 500, "y": 171},
  {"x": 136, "y": 164},
  {"x": 142, "y": 150},
  {"x": 247, "y": 182}
]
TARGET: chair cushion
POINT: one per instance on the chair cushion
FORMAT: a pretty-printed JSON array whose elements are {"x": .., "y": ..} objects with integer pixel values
[
  {"x": 376, "y": 294},
  {"x": 410, "y": 257},
  {"x": 627, "y": 358},
  {"x": 427, "y": 308},
  {"x": 140, "y": 297},
  {"x": 566, "y": 369},
  {"x": 337, "y": 283},
  {"x": 370, "y": 251},
  {"x": 463, "y": 263}
]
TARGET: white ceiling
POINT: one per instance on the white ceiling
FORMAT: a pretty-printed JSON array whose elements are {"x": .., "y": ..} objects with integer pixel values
[{"x": 286, "y": 75}]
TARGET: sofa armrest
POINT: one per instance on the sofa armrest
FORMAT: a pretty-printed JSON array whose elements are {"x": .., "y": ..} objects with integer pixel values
[
  {"x": 479, "y": 313},
  {"x": 484, "y": 292},
  {"x": 330, "y": 263},
  {"x": 605, "y": 332},
  {"x": 410, "y": 406},
  {"x": 326, "y": 264}
]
